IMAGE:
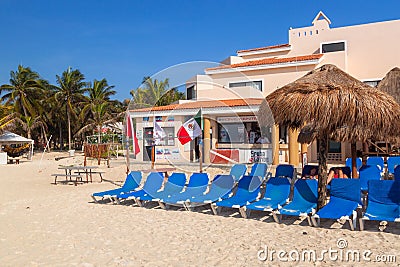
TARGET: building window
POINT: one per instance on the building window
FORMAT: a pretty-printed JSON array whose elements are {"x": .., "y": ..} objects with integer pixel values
[
  {"x": 158, "y": 118},
  {"x": 146, "y": 118},
  {"x": 190, "y": 93},
  {"x": 255, "y": 84},
  {"x": 334, "y": 147},
  {"x": 242, "y": 133},
  {"x": 168, "y": 140},
  {"x": 333, "y": 47}
]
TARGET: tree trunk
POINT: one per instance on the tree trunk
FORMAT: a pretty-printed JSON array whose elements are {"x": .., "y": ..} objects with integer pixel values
[
  {"x": 322, "y": 171},
  {"x": 60, "y": 137},
  {"x": 69, "y": 130},
  {"x": 354, "y": 172}
]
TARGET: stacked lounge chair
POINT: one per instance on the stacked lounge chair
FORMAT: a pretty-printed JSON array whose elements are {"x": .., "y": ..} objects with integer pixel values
[
  {"x": 197, "y": 186},
  {"x": 345, "y": 198},
  {"x": 220, "y": 188},
  {"x": 153, "y": 183},
  {"x": 248, "y": 191},
  {"x": 237, "y": 171},
  {"x": 383, "y": 202},
  {"x": 304, "y": 202},
  {"x": 174, "y": 185},
  {"x": 131, "y": 183},
  {"x": 276, "y": 194}
]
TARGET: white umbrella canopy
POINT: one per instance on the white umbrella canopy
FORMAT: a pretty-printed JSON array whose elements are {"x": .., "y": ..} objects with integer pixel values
[{"x": 9, "y": 138}]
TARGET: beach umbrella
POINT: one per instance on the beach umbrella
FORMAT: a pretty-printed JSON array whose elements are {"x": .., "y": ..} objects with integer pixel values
[{"x": 329, "y": 103}]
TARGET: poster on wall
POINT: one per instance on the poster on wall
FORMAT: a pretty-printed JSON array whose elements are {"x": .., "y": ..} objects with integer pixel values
[
  {"x": 257, "y": 156},
  {"x": 167, "y": 153}
]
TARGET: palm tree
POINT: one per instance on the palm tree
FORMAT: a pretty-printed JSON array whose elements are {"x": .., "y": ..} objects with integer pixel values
[
  {"x": 97, "y": 107},
  {"x": 7, "y": 118},
  {"x": 154, "y": 93},
  {"x": 70, "y": 92},
  {"x": 28, "y": 124},
  {"x": 24, "y": 90}
]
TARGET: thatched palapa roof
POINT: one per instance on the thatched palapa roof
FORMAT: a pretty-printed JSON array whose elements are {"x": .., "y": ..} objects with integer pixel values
[
  {"x": 334, "y": 103},
  {"x": 391, "y": 84}
]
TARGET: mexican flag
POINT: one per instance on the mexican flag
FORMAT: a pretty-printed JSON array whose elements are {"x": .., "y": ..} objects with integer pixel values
[{"x": 190, "y": 129}]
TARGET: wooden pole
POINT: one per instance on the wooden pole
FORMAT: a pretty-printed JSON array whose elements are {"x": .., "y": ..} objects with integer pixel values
[
  {"x": 322, "y": 171},
  {"x": 152, "y": 156},
  {"x": 354, "y": 160},
  {"x": 201, "y": 154}
]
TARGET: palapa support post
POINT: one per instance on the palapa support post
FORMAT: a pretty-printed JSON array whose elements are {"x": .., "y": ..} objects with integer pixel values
[
  {"x": 322, "y": 171},
  {"x": 354, "y": 171}
]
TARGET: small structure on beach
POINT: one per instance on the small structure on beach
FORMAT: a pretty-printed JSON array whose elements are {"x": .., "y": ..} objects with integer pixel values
[{"x": 16, "y": 145}]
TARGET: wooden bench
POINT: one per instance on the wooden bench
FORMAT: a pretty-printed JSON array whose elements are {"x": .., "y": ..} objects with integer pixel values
[{"x": 76, "y": 176}]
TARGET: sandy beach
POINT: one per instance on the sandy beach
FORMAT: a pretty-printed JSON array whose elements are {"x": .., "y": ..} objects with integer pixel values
[{"x": 42, "y": 224}]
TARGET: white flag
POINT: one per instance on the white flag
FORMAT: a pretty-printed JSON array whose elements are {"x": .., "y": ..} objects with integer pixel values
[{"x": 158, "y": 133}]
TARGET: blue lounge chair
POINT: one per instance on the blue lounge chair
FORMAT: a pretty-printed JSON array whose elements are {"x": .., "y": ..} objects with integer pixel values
[
  {"x": 259, "y": 169},
  {"x": 358, "y": 163},
  {"x": 285, "y": 171},
  {"x": 392, "y": 162},
  {"x": 237, "y": 171},
  {"x": 396, "y": 173},
  {"x": 248, "y": 191},
  {"x": 345, "y": 198},
  {"x": 378, "y": 161},
  {"x": 220, "y": 188},
  {"x": 383, "y": 202},
  {"x": 197, "y": 185},
  {"x": 276, "y": 194},
  {"x": 304, "y": 202},
  {"x": 368, "y": 172},
  {"x": 153, "y": 183},
  {"x": 174, "y": 185},
  {"x": 307, "y": 169},
  {"x": 131, "y": 183}
]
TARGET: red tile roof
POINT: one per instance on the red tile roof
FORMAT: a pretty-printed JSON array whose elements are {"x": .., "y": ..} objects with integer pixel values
[
  {"x": 205, "y": 104},
  {"x": 263, "y": 48},
  {"x": 268, "y": 61}
]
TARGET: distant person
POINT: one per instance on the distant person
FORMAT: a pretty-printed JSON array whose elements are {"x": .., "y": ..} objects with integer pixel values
[
  {"x": 312, "y": 175},
  {"x": 336, "y": 172}
]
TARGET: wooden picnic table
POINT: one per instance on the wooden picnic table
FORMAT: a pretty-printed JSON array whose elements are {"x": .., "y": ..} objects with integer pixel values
[{"x": 76, "y": 171}]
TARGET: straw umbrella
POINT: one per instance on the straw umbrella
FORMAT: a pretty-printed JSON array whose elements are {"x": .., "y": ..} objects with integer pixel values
[
  {"x": 391, "y": 84},
  {"x": 333, "y": 104}
]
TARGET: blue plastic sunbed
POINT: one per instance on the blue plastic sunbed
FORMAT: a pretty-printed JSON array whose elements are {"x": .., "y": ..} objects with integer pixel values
[
  {"x": 345, "y": 198},
  {"x": 358, "y": 163},
  {"x": 377, "y": 161},
  {"x": 197, "y": 185},
  {"x": 304, "y": 202},
  {"x": 276, "y": 194},
  {"x": 368, "y": 172},
  {"x": 392, "y": 162},
  {"x": 383, "y": 202},
  {"x": 248, "y": 191},
  {"x": 396, "y": 173},
  {"x": 220, "y": 188},
  {"x": 131, "y": 183},
  {"x": 153, "y": 183},
  {"x": 174, "y": 185},
  {"x": 285, "y": 170},
  {"x": 259, "y": 169},
  {"x": 237, "y": 171}
]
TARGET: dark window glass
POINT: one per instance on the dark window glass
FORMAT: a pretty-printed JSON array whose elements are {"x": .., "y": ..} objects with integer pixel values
[{"x": 333, "y": 47}]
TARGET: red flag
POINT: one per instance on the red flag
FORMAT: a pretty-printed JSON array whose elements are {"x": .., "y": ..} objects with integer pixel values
[{"x": 131, "y": 133}]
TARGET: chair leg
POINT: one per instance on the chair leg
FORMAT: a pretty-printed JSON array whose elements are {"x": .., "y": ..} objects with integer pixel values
[
  {"x": 95, "y": 200},
  {"x": 315, "y": 222},
  {"x": 277, "y": 217},
  {"x": 245, "y": 213},
  {"x": 361, "y": 222},
  {"x": 354, "y": 220},
  {"x": 138, "y": 202},
  {"x": 309, "y": 221},
  {"x": 215, "y": 209},
  {"x": 162, "y": 205}
]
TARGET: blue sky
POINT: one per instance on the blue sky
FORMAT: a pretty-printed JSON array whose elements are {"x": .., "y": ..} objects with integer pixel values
[{"x": 125, "y": 40}]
